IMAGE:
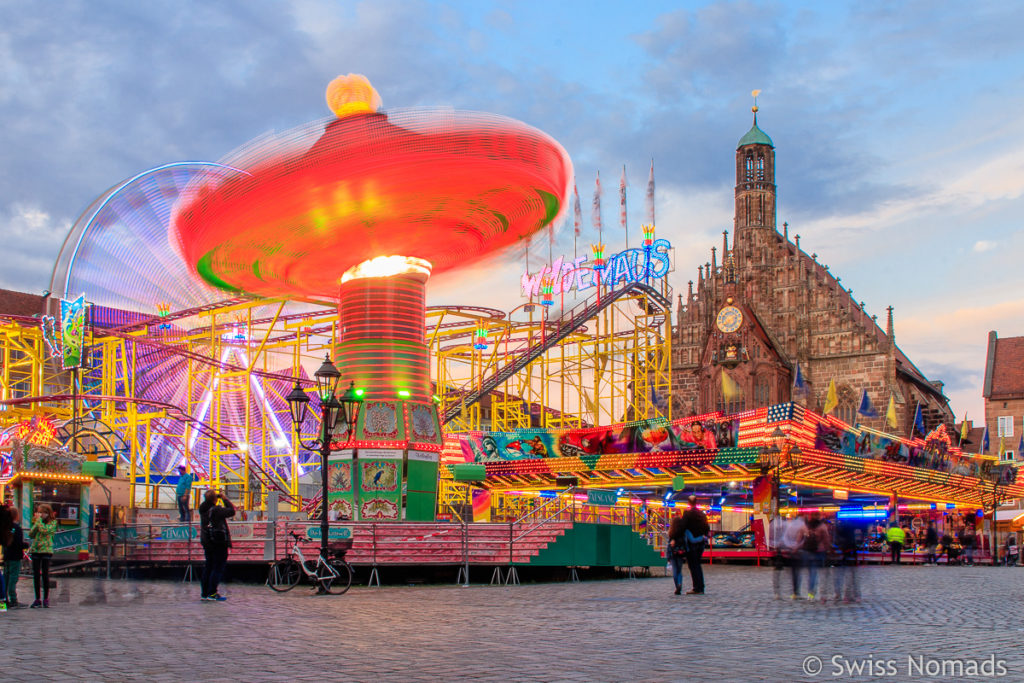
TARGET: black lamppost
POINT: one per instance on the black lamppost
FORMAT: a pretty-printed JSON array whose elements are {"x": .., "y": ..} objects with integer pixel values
[{"x": 331, "y": 409}]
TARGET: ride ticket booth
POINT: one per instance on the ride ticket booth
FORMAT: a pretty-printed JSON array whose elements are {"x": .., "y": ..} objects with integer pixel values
[{"x": 55, "y": 477}]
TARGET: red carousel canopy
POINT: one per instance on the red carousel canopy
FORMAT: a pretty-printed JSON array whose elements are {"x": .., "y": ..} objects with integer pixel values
[{"x": 440, "y": 185}]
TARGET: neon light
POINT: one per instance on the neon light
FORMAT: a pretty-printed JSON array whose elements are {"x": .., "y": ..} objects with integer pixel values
[
  {"x": 403, "y": 393},
  {"x": 626, "y": 267}
]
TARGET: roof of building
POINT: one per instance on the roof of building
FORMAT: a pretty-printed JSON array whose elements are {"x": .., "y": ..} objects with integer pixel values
[
  {"x": 755, "y": 136},
  {"x": 1004, "y": 367},
  {"x": 20, "y": 303}
]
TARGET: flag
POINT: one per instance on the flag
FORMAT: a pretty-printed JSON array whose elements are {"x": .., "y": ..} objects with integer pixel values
[
  {"x": 650, "y": 195},
  {"x": 890, "y": 415},
  {"x": 1020, "y": 446},
  {"x": 919, "y": 419},
  {"x": 799, "y": 383},
  {"x": 1002, "y": 448},
  {"x": 577, "y": 213},
  {"x": 831, "y": 398},
  {"x": 984, "y": 441},
  {"x": 622, "y": 198},
  {"x": 963, "y": 428},
  {"x": 866, "y": 409},
  {"x": 595, "y": 212},
  {"x": 730, "y": 389}
]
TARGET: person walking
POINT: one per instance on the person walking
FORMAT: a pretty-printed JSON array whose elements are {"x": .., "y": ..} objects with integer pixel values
[
  {"x": 677, "y": 550},
  {"x": 816, "y": 543},
  {"x": 968, "y": 541},
  {"x": 13, "y": 539},
  {"x": 216, "y": 540},
  {"x": 183, "y": 492},
  {"x": 695, "y": 530},
  {"x": 931, "y": 540},
  {"x": 44, "y": 526},
  {"x": 896, "y": 538},
  {"x": 792, "y": 543},
  {"x": 846, "y": 586}
]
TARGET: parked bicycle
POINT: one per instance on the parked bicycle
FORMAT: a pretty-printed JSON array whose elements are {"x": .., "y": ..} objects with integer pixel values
[{"x": 330, "y": 574}]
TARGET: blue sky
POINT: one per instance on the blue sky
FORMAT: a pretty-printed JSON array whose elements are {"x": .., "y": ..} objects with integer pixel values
[{"x": 899, "y": 127}]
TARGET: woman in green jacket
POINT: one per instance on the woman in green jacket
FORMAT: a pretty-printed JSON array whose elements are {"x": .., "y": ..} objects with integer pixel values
[{"x": 44, "y": 526}]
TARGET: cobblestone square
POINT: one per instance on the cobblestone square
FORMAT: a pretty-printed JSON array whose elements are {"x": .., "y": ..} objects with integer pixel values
[{"x": 620, "y": 630}]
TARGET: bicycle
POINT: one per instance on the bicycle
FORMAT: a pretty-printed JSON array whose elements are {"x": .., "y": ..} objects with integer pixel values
[{"x": 331, "y": 575}]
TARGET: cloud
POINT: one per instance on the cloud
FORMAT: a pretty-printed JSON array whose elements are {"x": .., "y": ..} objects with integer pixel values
[
  {"x": 32, "y": 239},
  {"x": 984, "y": 245}
]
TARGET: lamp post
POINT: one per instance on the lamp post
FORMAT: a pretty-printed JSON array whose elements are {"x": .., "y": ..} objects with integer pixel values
[{"x": 331, "y": 409}]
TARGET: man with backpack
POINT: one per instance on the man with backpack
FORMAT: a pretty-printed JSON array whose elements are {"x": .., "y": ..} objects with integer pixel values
[{"x": 695, "y": 524}]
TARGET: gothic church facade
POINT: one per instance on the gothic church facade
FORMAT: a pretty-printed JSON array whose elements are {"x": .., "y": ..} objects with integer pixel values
[{"x": 761, "y": 307}]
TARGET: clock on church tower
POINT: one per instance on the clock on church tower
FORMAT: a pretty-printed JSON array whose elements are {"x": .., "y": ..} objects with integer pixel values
[{"x": 729, "y": 319}]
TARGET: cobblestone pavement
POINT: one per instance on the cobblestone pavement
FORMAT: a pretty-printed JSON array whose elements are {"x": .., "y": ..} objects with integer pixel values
[{"x": 591, "y": 631}]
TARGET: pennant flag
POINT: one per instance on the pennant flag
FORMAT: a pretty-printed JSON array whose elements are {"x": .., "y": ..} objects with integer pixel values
[
  {"x": 866, "y": 409},
  {"x": 984, "y": 441},
  {"x": 890, "y": 415},
  {"x": 1002, "y": 448},
  {"x": 622, "y": 198},
  {"x": 577, "y": 213},
  {"x": 730, "y": 389},
  {"x": 650, "y": 195},
  {"x": 831, "y": 398},
  {"x": 1020, "y": 446},
  {"x": 963, "y": 428},
  {"x": 799, "y": 383},
  {"x": 595, "y": 213},
  {"x": 919, "y": 419}
]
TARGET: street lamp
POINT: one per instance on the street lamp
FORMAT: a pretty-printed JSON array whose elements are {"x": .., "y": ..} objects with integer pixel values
[{"x": 331, "y": 409}]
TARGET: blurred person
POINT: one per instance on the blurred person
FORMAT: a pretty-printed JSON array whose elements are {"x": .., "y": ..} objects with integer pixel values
[
  {"x": 695, "y": 530},
  {"x": 677, "y": 550},
  {"x": 792, "y": 542},
  {"x": 216, "y": 539},
  {"x": 846, "y": 586},
  {"x": 931, "y": 541},
  {"x": 945, "y": 544},
  {"x": 968, "y": 541},
  {"x": 815, "y": 544},
  {"x": 44, "y": 526},
  {"x": 183, "y": 493},
  {"x": 896, "y": 537},
  {"x": 13, "y": 539},
  {"x": 777, "y": 528}
]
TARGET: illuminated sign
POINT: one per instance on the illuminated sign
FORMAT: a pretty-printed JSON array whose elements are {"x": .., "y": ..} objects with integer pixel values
[
  {"x": 631, "y": 265},
  {"x": 72, "y": 330}
]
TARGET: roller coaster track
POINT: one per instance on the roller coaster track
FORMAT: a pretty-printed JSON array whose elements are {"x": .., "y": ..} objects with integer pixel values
[
  {"x": 175, "y": 413},
  {"x": 572, "y": 320}
]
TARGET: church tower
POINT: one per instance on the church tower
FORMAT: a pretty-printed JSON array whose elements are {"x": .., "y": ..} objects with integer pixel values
[{"x": 754, "y": 222}]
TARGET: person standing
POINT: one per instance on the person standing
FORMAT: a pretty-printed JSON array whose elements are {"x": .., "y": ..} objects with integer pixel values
[
  {"x": 695, "y": 530},
  {"x": 846, "y": 587},
  {"x": 677, "y": 550},
  {"x": 792, "y": 543},
  {"x": 183, "y": 492},
  {"x": 896, "y": 537},
  {"x": 13, "y": 539},
  {"x": 216, "y": 540},
  {"x": 44, "y": 526},
  {"x": 967, "y": 541},
  {"x": 816, "y": 543}
]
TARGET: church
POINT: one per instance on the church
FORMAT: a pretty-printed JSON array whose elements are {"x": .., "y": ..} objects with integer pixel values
[{"x": 765, "y": 323}]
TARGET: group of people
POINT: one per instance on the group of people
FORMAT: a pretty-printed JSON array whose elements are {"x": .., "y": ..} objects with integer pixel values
[
  {"x": 687, "y": 538},
  {"x": 957, "y": 547},
  {"x": 40, "y": 551},
  {"x": 805, "y": 545}
]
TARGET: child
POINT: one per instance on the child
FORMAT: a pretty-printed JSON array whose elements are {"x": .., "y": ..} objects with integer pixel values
[{"x": 44, "y": 526}]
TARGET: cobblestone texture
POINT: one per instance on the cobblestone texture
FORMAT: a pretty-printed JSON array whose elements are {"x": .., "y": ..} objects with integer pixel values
[{"x": 590, "y": 631}]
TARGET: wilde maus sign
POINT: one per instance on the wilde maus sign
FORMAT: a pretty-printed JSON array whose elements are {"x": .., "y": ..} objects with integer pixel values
[{"x": 631, "y": 265}]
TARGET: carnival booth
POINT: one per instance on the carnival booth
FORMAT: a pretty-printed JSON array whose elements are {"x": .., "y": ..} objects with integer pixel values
[{"x": 59, "y": 478}]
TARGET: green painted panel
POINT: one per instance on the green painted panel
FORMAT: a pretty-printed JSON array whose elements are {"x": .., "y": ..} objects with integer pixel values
[{"x": 599, "y": 545}]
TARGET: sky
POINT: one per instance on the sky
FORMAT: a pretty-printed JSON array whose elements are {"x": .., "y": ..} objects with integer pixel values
[{"x": 898, "y": 127}]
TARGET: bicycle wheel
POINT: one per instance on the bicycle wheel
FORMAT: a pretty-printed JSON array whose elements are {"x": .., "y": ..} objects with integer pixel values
[
  {"x": 284, "y": 575},
  {"x": 336, "y": 585}
]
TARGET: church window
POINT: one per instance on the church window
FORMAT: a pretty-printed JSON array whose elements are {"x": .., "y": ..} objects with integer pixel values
[
  {"x": 762, "y": 393},
  {"x": 749, "y": 168},
  {"x": 760, "y": 168}
]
